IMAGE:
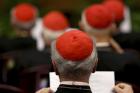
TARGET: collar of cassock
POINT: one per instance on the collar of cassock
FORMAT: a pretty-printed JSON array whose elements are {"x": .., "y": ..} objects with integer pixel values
[
  {"x": 74, "y": 83},
  {"x": 102, "y": 44}
]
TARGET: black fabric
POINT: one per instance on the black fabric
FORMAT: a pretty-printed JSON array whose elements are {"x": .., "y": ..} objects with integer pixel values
[
  {"x": 73, "y": 89},
  {"x": 130, "y": 40},
  {"x": 33, "y": 57},
  {"x": 27, "y": 59},
  {"x": 7, "y": 44},
  {"x": 126, "y": 65},
  {"x": 107, "y": 49}
]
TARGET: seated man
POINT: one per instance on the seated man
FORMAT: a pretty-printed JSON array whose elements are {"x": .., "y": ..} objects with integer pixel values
[
  {"x": 54, "y": 24},
  {"x": 32, "y": 57},
  {"x": 126, "y": 40},
  {"x": 74, "y": 58},
  {"x": 97, "y": 21},
  {"x": 23, "y": 23}
]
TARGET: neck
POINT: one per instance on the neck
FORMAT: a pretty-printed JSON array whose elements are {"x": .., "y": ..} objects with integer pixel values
[
  {"x": 74, "y": 83},
  {"x": 100, "y": 39},
  {"x": 83, "y": 79},
  {"x": 22, "y": 33}
]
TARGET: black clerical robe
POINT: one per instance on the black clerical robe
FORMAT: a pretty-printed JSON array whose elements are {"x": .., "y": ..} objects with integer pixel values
[{"x": 73, "y": 89}]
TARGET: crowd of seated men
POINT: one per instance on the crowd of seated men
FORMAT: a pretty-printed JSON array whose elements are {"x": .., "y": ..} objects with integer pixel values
[{"x": 48, "y": 44}]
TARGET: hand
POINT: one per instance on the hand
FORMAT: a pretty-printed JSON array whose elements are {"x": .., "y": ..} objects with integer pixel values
[
  {"x": 123, "y": 88},
  {"x": 45, "y": 90}
]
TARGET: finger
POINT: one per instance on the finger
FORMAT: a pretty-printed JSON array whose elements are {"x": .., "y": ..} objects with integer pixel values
[
  {"x": 122, "y": 86},
  {"x": 50, "y": 91},
  {"x": 44, "y": 90},
  {"x": 117, "y": 89}
]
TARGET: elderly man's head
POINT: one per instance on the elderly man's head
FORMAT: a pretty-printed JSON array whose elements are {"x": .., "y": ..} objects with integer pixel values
[
  {"x": 23, "y": 18},
  {"x": 54, "y": 24},
  {"x": 97, "y": 20},
  {"x": 74, "y": 55}
]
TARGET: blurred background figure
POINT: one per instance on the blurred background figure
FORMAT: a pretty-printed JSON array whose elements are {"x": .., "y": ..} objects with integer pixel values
[
  {"x": 123, "y": 29},
  {"x": 122, "y": 14},
  {"x": 117, "y": 9},
  {"x": 54, "y": 24},
  {"x": 24, "y": 22},
  {"x": 97, "y": 21},
  {"x": 23, "y": 17}
]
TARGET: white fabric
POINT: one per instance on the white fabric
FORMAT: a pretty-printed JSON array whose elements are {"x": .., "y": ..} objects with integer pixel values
[
  {"x": 71, "y": 29},
  {"x": 126, "y": 26},
  {"x": 37, "y": 34},
  {"x": 102, "y": 44},
  {"x": 52, "y": 35},
  {"x": 74, "y": 83}
]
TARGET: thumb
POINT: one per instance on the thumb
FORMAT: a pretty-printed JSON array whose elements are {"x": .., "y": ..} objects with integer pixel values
[
  {"x": 50, "y": 91},
  {"x": 117, "y": 89},
  {"x": 45, "y": 90}
]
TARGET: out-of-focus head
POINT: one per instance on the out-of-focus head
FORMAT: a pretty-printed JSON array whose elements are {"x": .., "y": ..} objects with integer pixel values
[
  {"x": 74, "y": 54},
  {"x": 115, "y": 0},
  {"x": 23, "y": 16},
  {"x": 54, "y": 23},
  {"x": 116, "y": 8},
  {"x": 96, "y": 19}
]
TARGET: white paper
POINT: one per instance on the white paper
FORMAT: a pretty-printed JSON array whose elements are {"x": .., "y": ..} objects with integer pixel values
[{"x": 100, "y": 82}]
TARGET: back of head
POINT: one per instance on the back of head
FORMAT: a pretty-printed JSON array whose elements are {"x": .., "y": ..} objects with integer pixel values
[
  {"x": 96, "y": 19},
  {"x": 116, "y": 7},
  {"x": 54, "y": 24},
  {"x": 74, "y": 54},
  {"x": 114, "y": 0},
  {"x": 23, "y": 16}
]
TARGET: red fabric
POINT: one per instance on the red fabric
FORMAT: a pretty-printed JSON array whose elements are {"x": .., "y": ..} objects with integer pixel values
[
  {"x": 113, "y": 0},
  {"x": 98, "y": 16},
  {"x": 74, "y": 45},
  {"x": 55, "y": 21},
  {"x": 25, "y": 12},
  {"x": 117, "y": 8}
]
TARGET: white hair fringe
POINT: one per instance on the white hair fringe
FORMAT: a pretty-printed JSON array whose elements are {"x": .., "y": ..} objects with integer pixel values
[{"x": 62, "y": 63}]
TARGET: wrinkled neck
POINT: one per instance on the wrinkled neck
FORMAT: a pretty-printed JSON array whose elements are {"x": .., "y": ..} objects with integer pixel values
[{"x": 82, "y": 79}]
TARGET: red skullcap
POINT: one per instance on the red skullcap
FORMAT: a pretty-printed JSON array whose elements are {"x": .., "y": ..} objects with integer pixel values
[
  {"x": 117, "y": 9},
  {"x": 114, "y": 0},
  {"x": 74, "y": 45},
  {"x": 97, "y": 16},
  {"x": 24, "y": 12},
  {"x": 55, "y": 21}
]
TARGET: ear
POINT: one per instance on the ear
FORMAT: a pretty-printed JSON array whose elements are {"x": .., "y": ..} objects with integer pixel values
[
  {"x": 95, "y": 66},
  {"x": 113, "y": 28},
  {"x": 81, "y": 25},
  {"x": 55, "y": 67}
]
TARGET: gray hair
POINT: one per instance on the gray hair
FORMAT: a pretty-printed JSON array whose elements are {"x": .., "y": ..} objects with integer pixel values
[
  {"x": 73, "y": 68},
  {"x": 89, "y": 29}
]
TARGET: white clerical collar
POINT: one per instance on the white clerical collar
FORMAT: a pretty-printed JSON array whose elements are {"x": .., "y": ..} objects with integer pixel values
[
  {"x": 102, "y": 44},
  {"x": 74, "y": 83}
]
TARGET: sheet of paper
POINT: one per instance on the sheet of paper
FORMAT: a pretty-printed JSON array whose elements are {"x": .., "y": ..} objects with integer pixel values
[{"x": 100, "y": 82}]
